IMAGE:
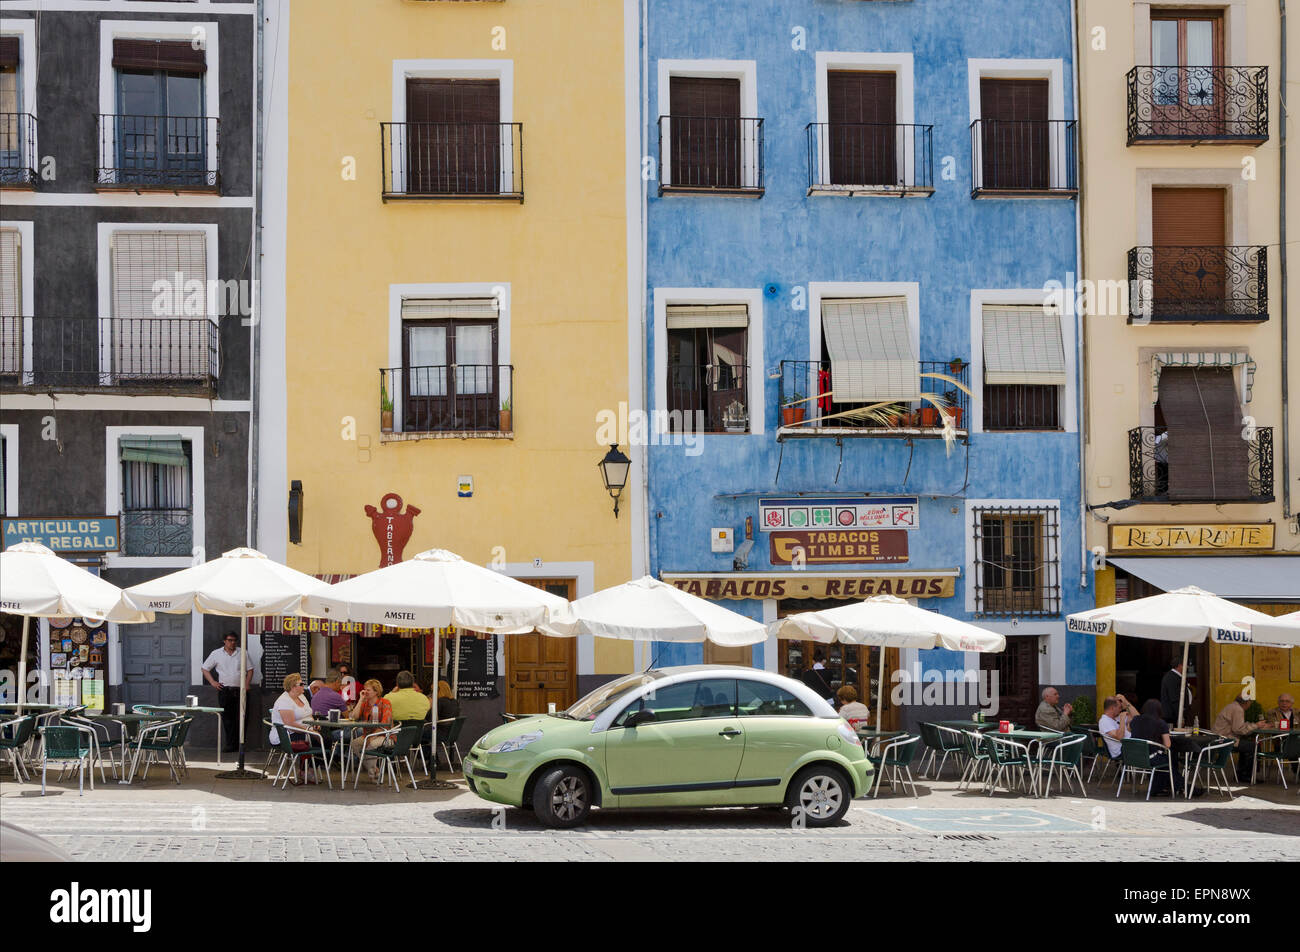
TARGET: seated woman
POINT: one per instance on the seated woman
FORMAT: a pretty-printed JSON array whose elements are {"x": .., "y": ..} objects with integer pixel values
[
  {"x": 290, "y": 709},
  {"x": 372, "y": 706},
  {"x": 851, "y": 709},
  {"x": 1151, "y": 726}
]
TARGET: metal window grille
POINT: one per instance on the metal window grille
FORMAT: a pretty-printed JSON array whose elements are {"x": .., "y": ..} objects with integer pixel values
[{"x": 1017, "y": 571}]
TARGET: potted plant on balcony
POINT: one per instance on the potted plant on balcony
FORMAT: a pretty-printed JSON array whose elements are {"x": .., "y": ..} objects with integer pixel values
[
  {"x": 951, "y": 408},
  {"x": 506, "y": 421},
  {"x": 735, "y": 418},
  {"x": 956, "y": 366},
  {"x": 385, "y": 409},
  {"x": 792, "y": 413}
]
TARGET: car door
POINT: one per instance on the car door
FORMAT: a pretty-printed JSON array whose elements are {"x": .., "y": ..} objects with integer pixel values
[
  {"x": 779, "y": 729},
  {"x": 689, "y": 751}
]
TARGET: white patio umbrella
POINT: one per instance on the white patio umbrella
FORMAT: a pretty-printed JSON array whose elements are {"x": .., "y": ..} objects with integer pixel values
[
  {"x": 37, "y": 583},
  {"x": 243, "y": 582},
  {"x": 1190, "y": 615},
  {"x": 438, "y": 589},
  {"x": 888, "y": 622},
  {"x": 1280, "y": 630},
  {"x": 647, "y": 609}
]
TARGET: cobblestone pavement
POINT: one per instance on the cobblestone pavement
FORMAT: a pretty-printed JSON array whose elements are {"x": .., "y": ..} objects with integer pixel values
[{"x": 214, "y": 820}]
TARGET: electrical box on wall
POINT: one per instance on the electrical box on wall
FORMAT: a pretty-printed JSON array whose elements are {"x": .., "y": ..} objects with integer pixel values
[{"x": 724, "y": 540}]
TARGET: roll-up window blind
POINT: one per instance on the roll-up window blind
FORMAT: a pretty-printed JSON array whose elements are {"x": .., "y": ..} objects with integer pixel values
[
  {"x": 1207, "y": 457},
  {"x": 870, "y": 347},
  {"x": 688, "y": 316},
  {"x": 9, "y": 52},
  {"x": 1022, "y": 345},
  {"x": 174, "y": 56},
  {"x": 11, "y": 341},
  {"x": 461, "y": 309}
]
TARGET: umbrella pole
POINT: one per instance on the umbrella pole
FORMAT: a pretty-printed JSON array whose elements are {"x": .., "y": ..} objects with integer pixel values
[
  {"x": 880, "y": 691},
  {"x": 434, "y": 782},
  {"x": 239, "y": 773},
  {"x": 1182, "y": 687},
  {"x": 22, "y": 666}
]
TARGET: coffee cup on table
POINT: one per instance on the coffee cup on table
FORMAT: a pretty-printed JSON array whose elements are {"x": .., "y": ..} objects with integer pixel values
[
  {"x": 192, "y": 699},
  {"x": 119, "y": 708}
]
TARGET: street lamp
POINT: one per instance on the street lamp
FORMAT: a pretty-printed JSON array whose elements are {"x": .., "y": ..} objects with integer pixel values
[{"x": 613, "y": 470}]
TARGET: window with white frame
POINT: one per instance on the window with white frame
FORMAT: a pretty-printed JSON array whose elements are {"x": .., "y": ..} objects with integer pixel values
[
  {"x": 710, "y": 133},
  {"x": 1024, "y": 368},
  {"x": 451, "y": 378},
  {"x": 868, "y": 368},
  {"x": 11, "y": 303},
  {"x": 1016, "y": 560},
  {"x": 157, "y": 507},
  {"x": 708, "y": 346},
  {"x": 1021, "y": 141}
]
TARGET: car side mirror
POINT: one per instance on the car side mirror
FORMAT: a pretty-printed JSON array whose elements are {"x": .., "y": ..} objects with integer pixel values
[{"x": 639, "y": 717}]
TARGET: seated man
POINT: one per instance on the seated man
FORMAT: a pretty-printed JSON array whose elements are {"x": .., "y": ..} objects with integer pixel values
[
  {"x": 325, "y": 696},
  {"x": 1050, "y": 716},
  {"x": 1285, "y": 711},
  {"x": 408, "y": 703},
  {"x": 1232, "y": 723},
  {"x": 1114, "y": 725}
]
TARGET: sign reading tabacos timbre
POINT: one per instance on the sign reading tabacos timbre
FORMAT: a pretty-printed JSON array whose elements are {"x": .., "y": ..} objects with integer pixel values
[
  {"x": 813, "y": 585},
  {"x": 814, "y": 548},
  {"x": 1191, "y": 538}
]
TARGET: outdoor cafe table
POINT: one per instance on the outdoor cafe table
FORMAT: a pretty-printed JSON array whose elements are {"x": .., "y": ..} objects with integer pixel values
[
  {"x": 176, "y": 709},
  {"x": 342, "y": 725},
  {"x": 1029, "y": 738},
  {"x": 1266, "y": 736},
  {"x": 130, "y": 723},
  {"x": 970, "y": 725}
]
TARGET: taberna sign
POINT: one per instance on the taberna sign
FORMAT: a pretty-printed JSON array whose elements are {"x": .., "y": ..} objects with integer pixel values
[{"x": 76, "y": 534}]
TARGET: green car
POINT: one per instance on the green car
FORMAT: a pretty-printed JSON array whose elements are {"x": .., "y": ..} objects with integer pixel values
[{"x": 696, "y": 736}]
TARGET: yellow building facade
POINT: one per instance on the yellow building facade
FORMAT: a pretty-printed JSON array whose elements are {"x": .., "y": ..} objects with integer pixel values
[
  {"x": 1191, "y": 462},
  {"x": 455, "y": 222}
]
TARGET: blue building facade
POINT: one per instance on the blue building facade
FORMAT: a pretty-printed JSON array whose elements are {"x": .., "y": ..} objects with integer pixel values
[{"x": 851, "y": 197}]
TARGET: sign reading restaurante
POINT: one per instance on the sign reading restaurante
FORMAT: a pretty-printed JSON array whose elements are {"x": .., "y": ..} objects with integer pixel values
[
  {"x": 814, "y": 585},
  {"x": 1191, "y": 538}
]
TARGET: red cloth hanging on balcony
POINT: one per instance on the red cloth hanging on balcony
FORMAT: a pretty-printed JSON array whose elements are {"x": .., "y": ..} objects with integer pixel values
[{"x": 823, "y": 391}]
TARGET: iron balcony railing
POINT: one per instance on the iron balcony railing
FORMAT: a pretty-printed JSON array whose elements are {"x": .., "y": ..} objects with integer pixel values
[
  {"x": 1206, "y": 284},
  {"x": 157, "y": 532},
  {"x": 452, "y": 160},
  {"x": 1225, "y": 465},
  {"x": 866, "y": 158},
  {"x": 716, "y": 154},
  {"x": 708, "y": 398},
  {"x": 1024, "y": 157},
  {"x": 804, "y": 379},
  {"x": 1017, "y": 570},
  {"x": 1173, "y": 104},
  {"x": 448, "y": 398},
  {"x": 164, "y": 153},
  {"x": 18, "y": 164},
  {"x": 131, "y": 355},
  {"x": 1019, "y": 406}
]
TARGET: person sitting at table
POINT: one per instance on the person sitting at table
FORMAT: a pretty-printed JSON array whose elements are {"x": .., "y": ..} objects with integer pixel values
[
  {"x": 325, "y": 697},
  {"x": 1285, "y": 711},
  {"x": 1114, "y": 725},
  {"x": 1232, "y": 723},
  {"x": 1151, "y": 726},
  {"x": 1050, "y": 716},
  {"x": 851, "y": 709},
  {"x": 348, "y": 684},
  {"x": 408, "y": 703},
  {"x": 373, "y": 707},
  {"x": 448, "y": 706},
  {"x": 291, "y": 709}
]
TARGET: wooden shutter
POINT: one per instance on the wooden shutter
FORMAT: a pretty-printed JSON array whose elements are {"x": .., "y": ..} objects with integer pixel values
[
  {"x": 174, "y": 56},
  {"x": 1015, "y": 134},
  {"x": 1189, "y": 273},
  {"x": 1208, "y": 459},
  {"x": 862, "y": 110},
  {"x": 11, "y": 324},
  {"x": 706, "y": 140},
  {"x": 453, "y": 136},
  {"x": 9, "y": 52},
  {"x": 870, "y": 346},
  {"x": 157, "y": 335}
]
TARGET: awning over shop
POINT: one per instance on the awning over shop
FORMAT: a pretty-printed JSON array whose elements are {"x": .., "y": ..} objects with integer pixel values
[{"x": 1268, "y": 578}]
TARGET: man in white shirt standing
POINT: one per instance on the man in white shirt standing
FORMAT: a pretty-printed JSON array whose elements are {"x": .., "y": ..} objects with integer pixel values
[
  {"x": 1117, "y": 713},
  {"x": 225, "y": 661}
]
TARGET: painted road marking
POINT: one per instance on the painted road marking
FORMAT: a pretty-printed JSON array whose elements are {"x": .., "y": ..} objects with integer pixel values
[{"x": 984, "y": 821}]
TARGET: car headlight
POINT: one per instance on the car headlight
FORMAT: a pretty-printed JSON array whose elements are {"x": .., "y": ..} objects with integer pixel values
[
  {"x": 849, "y": 734},
  {"x": 516, "y": 743}
]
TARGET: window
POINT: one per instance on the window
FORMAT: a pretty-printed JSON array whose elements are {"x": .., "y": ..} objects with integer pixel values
[
  {"x": 1016, "y": 134},
  {"x": 160, "y": 130},
  {"x": 868, "y": 345},
  {"x": 688, "y": 700},
  {"x": 1016, "y": 569},
  {"x": 1189, "y": 254},
  {"x": 1024, "y": 368},
  {"x": 453, "y": 136},
  {"x": 760, "y": 699},
  {"x": 12, "y": 122},
  {"x": 157, "y": 501},
  {"x": 1185, "y": 49},
  {"x": 1199, "y": 450},
  {"x": 451, "y": 379},
  {"x": 706, "y": 134},
  {"x": 4, "y": 476},
  {"x": 167, "y": 335},
  {"x": 861, "y": 108},
  {"x": 707, "y": 347},
  {"x": 11, "y": 322}
]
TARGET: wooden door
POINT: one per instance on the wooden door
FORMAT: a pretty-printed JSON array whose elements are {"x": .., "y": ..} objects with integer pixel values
[
  {"x": 862, "y": 133},
  {"x": 705, "y": 127},
  {"x": 453, "y": 136},
  {"x": 1188, "y": 232},
  {"x": 1016, "y": 138},
  {"x": 1208, "y": 459},
  {"x": 541, "y": 670},
  {"x": 1188, "y": 85},
  {"x": 156, "y": 661},
  {"x": 1017, "y": 673}
]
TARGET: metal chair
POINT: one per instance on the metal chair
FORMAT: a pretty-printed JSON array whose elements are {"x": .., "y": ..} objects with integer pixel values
[
  {"x": 453, "y": 735},
  {"x": 950, "y": 742},
  {"x": 1103, "y": 755},
  {"x": 396, "y": 747},
  {"x": 422, "y": 723},
  {"x": 107, "y": 744},
  {"x": 1137, "y": 755},
  {"x": 977, "y": 758},
  {"x": 68, "y": 744},
  {"x": 1215, "y": 757},
  {"x": 165, "y": 738},
  {"x": 931, "y": 746},
  {"x": 1287, "y": 752},
  {"x": 315, "y": 755},
  {"x": 896, "y": 756},
  {"x": 1008, "y": 755},
  {"x": 14, "y": 737},
  {"x": 1067, "y": 755}
]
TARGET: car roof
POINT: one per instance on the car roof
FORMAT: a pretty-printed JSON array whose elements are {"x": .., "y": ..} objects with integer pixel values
[{"x": 686, "y": 672}]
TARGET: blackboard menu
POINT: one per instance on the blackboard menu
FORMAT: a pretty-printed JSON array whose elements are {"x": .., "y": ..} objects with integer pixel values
[
  {"x": 282, "y": 655},
  {"x": 476, "y": 676}
]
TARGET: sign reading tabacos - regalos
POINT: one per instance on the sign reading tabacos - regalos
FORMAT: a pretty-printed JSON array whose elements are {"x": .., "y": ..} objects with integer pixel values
[
  {"x": 813, "y": 585},
  {"x": 813, "y": 548},
  {"x": 1191, "y": 538}
]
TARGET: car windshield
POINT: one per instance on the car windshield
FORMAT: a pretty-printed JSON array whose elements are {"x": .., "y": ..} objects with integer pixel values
[{"x": 589, "y": 707}]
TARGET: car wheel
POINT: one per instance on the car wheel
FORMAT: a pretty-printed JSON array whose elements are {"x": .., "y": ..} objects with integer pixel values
[
  {"x": 821, "y": 794},
  {"x": 562, "y": 797}
]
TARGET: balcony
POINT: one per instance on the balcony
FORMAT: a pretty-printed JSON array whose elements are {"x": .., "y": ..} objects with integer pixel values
[
  {"x": 452, "y": 160},
  {"x": 1031, "y": 158},
  {"x": 1199, "y": 285},
  {"x": 801, "y": 379},
  {"x": 155, "y": 355},
  {"x": 158, "y": 154},
  {"x": 157, "y": 532},
  {"x": 710, "y": 155},
  {"x": 870, "y": 159},
  {"x": 1200, "y": 468},
  {"x": 446, "y": 401},
  {"x": 1197, "y": 105},
  {"x": 708, "y": 398},
  {"x": 18, "y": 163}
]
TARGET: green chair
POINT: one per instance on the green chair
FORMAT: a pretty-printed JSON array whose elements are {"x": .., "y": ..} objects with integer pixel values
[
  {"x": 68, "y": 744},
  {"x": 896, "y": 756},
  {"x": 977, "y": 758},
  {"x": 930, "y": 745},
  {"x": 1215, "y": 757},
  {"x": 1008, "y": 755},
  {"x": 422, "y": 723},
  {"x": 950, "y": 742},
  {"x": 1067, "y": 756},
  {"x": 165, "y": 739},
  {"x": 449, "y": 745},
  {"x": 1137, "y": 754},
  {"x": 315, "y": 755},
  {"x": 1286, "y": 752},
  {"x": 1103, "y": 755},
  {"x": 106, "y": 744},
  {"x": 14, "y": 737},
  {"x": 396, "y": 747}
]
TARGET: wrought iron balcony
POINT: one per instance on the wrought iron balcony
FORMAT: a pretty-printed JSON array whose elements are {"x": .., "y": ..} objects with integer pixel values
[
  {"x": 18, "y": 164},
  {"x": 447, "y": 400},
  {"x": 1198, "y": 285},
  {"x": 157, "y": 532},
  {"x": 1214, "y": 467},
  {"x": 1031, "y": 157},
  {"x": 708, "y": 398},
  {"x": 801, "y": 417},
  {"x": 721, "y": 155},
  {"x": 1174, "y": 105},
  {"x": 176, "y": 355},
  {"x": 159, "y": 153},
  {"x": 870, "y": 158},
  {"x": 452, "y": 160}
]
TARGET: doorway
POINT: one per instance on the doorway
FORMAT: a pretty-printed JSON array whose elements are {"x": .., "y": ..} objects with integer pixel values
[
  {"x": 381, "y": 658},
  {"x": 156, "y": 661},
  {"x": 541, "y": 670},
  {"x": 1017, "y": 671}
]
